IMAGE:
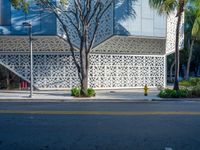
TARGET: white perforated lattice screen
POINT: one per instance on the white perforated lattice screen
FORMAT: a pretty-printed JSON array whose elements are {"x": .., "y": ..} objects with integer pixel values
[
  {"x": 171, "y": 33},
  {"x": 113, "y": 71},
  {"x": 54, "y": 71}
]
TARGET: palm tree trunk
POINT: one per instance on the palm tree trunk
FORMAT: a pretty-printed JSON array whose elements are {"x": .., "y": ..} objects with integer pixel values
[
  {"x": 189, "y": 60},
  {"x": 177, "y": 59},
  {"x": 171, "y": 71}
]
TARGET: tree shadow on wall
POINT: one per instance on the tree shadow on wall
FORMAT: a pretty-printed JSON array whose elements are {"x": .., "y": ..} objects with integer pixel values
[{"x": 123, "y": 9}]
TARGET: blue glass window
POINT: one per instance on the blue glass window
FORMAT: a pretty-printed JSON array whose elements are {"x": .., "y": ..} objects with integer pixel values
[{"x": 5, "y": 13}]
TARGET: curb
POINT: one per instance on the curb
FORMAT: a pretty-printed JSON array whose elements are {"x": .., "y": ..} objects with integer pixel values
[
  {"x": 177, "y": 99},
  {"x": 77, "y": 100},
  {"x": 86, "y": 100}
]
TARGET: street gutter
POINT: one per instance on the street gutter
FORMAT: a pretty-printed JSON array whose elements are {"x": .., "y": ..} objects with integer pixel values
[{"x": 72, "y": 100}]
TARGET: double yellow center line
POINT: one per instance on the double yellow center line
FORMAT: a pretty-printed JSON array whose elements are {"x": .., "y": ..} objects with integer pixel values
[{"x": 112, "y": 113}]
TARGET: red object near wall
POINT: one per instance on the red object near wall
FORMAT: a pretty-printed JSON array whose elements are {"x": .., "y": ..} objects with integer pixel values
[{"x": 24, "y": 85}]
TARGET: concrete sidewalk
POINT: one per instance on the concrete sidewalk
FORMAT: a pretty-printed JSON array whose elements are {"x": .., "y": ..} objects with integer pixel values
[{"x": 64, "y": 96}]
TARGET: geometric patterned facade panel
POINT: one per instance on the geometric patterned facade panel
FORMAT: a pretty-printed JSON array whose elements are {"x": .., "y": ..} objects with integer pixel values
[
  {"x": 57, "y": 71},
  {"x": 40, "y": 44},
  {"x": 171, "y": 33},
  {"x": 114, "y": 45},
  {"x": 52, "y": 71},
  {"x": 131, "y": 45},
  {"x": 126, "y": 71}
]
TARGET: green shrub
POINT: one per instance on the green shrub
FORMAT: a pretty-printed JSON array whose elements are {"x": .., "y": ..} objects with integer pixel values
[
  {"x": 194, "y": 81},
  {"x": 91, "y": 92},
  {"x": 184, "y": 93},
  {"x": 169, "y": 93},
  {"x": 185, "y": 83},
  {"x": 75, "y": 92},
  {"x": 196, "y": 91},
  {"x": 190, "y": 82},
  {"x": 174, "y": 94},
  {"x": 166, "y": 93}
]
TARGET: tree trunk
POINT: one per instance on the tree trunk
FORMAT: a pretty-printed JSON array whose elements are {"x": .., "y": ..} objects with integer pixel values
[
  {"x": 189, "y": 60},
  {"x": 196, "y": 68},
  {"x": 84, "y": 85},
  {"x": 171, "y": 71},
  {"x": 7, "y": 79},
  {"x": 84, "y": 74},
  {"x": 177, "y": 59},
  {"x": 84, "y": 56},
  {"x": 84, "y": 63}
]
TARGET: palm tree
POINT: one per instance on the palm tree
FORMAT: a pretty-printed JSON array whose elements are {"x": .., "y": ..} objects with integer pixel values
[
  {"x": 166, "y": 7},
  {"x": 192, "y": 26}
]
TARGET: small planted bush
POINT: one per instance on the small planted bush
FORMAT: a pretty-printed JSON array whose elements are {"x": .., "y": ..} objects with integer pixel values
[
  {"x": 185, "y": 83},
  {"x": 193, "y": 91},
  {"x": 166, "y": 93},
  {"x": 194, "y": 81},
  {"x": 77, "y": 92},
  {"x": 196, "y": 91},
  {"x": 184, "y": 93},
  {"x": 169, "y": 93},
  {"x": 91, "y": 92},
  {"x": 190, "y": 82}
]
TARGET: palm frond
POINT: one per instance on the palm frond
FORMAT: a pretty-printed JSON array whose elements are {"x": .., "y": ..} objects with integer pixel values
[{"x": 163, "y": 6}]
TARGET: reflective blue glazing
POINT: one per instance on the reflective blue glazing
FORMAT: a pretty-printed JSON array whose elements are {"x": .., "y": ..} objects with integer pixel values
[
  {"x": 135, "y": 17},
  {"x": 131, "y": 17},
  {"x": 43, "y": 22}
]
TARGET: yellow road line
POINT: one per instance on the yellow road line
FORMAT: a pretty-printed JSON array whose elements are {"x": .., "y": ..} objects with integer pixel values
[{"x": 124, "y": 113}]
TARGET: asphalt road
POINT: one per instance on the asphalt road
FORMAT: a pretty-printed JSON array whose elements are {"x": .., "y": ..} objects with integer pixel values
[{"x": 100, "y": 126}]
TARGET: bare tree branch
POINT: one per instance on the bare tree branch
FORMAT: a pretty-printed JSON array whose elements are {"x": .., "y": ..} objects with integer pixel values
[
  {"x": 96, "y": 7},
  {"x": 88, "y": 8},
  {"x": 78, "y": 6},
  {"x": 54, "y": 10},
  {"x": 84, "y": 17},
  {"x": 98, "y": 17}
]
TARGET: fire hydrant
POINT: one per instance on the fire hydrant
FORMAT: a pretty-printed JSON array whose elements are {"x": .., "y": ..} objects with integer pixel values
[{"x": 146, "y": 90}]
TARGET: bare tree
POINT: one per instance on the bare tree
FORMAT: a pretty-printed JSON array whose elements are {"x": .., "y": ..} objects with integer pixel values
[{"x": 84, "y": 16}]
